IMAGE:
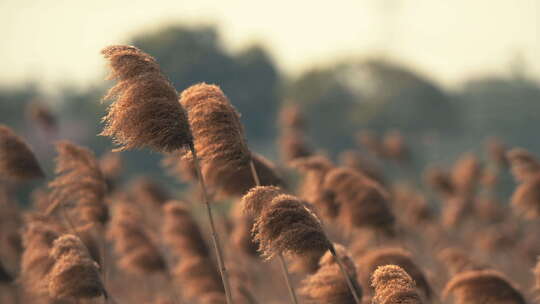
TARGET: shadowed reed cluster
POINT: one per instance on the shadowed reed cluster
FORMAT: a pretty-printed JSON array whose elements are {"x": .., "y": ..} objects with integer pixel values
[
  {"x": 79, "y": 180},
  {"x": 145, "y": 111},
  {"x": 17, "y": 162}
]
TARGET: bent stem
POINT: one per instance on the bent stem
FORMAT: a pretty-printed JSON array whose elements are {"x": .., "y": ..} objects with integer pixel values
[
  {"x": 284, "y": 269},
  {"x": 215, "y": 239},
  {"x": 345, "y": 274}
]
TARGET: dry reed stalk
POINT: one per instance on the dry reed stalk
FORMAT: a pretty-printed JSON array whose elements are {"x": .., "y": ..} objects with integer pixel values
[
  {"x": 376, "y": 258},
  {"x": 482, "y": 286},
  {"x": 74, "y": 274},
  {"x": 79, "y": 180},
  {"x": 327, "y": 285},
  {"x": 393, "y": 285},
  {"x": 17, "y": 162}
]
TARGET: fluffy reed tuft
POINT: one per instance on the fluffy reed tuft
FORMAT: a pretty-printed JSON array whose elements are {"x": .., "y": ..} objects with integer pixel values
[
  {"x": 17, "y": 162},
  {"x": 314, "y": 169},
  {"x": 393, "y": 285},
  {"x": 293, "y": 146},
  {"x": 42, "y": 116},
  {"x": 466, "y": 173},
  {"x": 285, "y": 225},
  {"x": 218, "y": 134},
  {"x": 198, "y": 277},
  {"x": 328, "y": 285},
  {"x": 482, "y": 286},
  {"x": 440, "y": 180},
  {"x": 526, "y": 198},
  {"x": 74, "y": 274},
  {"x": 148, "y": 192},
  {"x": 363, "y": 202},
  {"x": 80, "y": 181},
  {"x": 180, "y": 231},
  {"x": 38, "y": 238},
  {"x": 376, "y": 258},
  {"x": 145, "y": 111},
  {"x": 138, "y": 254},
  {"x": 524, "y": 165},
  {"x": 456, "y": 261}
]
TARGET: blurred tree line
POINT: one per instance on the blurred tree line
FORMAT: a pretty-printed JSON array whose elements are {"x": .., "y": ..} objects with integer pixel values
[{"x": 338, "y": 100}]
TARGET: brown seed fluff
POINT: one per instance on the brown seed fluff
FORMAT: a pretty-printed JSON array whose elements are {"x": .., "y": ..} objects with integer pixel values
[
  {"x": 314, "y": 169},
  {"x": 393, "y": 285},
  {"x": 74, "y": 274},
  {"x": 328, "y": 285},
  {"x": 456, "y": 261},
  {"x": 181, "y": 232},
  {"x": 218, "y": 134},
  {"x": 138, "y": 254},
  {"x": 375, "y": 258},
  {"x": 466, "y": 173},
  {"x": 17, "y": 162},
  {"x": 79, "y": 180},
  {"x": 439, "y": 180},
  {"x": 394, "y": 146},
  {"x": 38, "y": 237},
  {"x": 524, "y": 164},
  {"x": 198, "y": 276},
  {"x": 145, "y": 111},
  {"x": 362, "y": 201},
  {"x": 293, "y": 146},
  {"x": 526, "y": 198},
  {"x": 482, "y": 286},
  {"x": 287, "y": 226}
]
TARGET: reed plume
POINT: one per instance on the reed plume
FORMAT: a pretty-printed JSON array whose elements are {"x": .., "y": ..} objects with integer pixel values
[
  {"x": 526, "y": 198},
  {"x": 328, "y": 285},
  {"x": 283, "y": 223},
  {"x": 148, "y": 192},
  {"x": 42, "y": 116},
  {"x": 376, "y": 258},
  {"x": 496, "y": 151},
  {"x": 145, "y": 111},
  {"x": 393, "y": 285},
  {"x": 355, "y": 160},
  {"x": 291, "y": 118},
  {"x": 111, "y": 166},
  {"x": 17, "y": 162},
  {"x": 74, "y": 274},
  {"x": 363, "y": 202},
  {"x": 137, "y": 252},
  {"x": 456, "y": 261},
  {"x": 36, "y": 263},
  {"x": 524, "y": 165},
  {"x": 466, "y": 174},
  {"x": 440, "y": 181},
  {"x": 482, "y": 286},
  {"x": 181, "y": 232},
  {"x": 198, "y": 277},
  {"x": 293, "y": 146},
  {"x": 79, "y": 180},
  {"x": 395, "y": 147},
  {"x": 314, "y": 169}
]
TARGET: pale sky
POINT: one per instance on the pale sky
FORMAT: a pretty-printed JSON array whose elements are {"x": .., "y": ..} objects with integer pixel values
[{"x": 56, "y": 42}]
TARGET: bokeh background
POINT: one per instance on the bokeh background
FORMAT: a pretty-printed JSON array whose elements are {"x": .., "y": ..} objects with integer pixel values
[{"x": 446, "y": 74}]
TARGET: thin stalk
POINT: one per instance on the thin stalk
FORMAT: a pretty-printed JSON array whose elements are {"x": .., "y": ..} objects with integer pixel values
[
  {"x": 284, "y": 269},
  {"x": 215, "y": 239},
  {"x": 286, "y": 275},
  {"x": 345, "y": 274}
]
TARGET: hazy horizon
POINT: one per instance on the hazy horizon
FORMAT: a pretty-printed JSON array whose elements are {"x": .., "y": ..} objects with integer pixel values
[{"x": 58, "y": 42}]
